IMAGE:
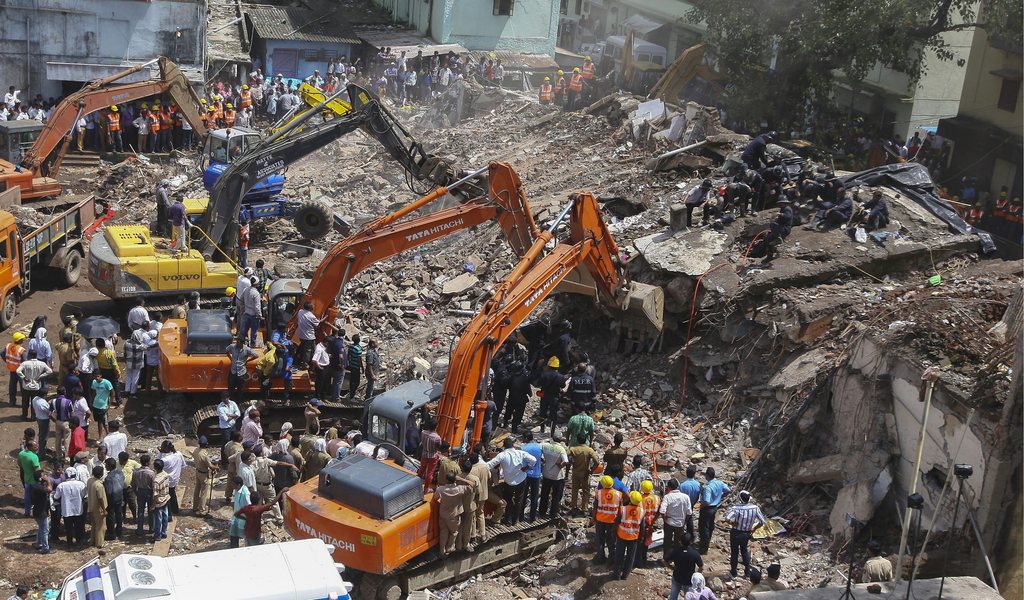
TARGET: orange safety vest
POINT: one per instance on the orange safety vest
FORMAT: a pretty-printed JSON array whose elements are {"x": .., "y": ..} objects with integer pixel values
[
  {"x": 113, "y": 122},
  {"x": 561, "y": 86},
  {"x": 1015, "y": 213},
  {"x": 154, "y": 123},
  {"x": 15, "y": 354},
  {"x": 246, "y": 101},
  {"x": 589, "y": 71},
  {"x": 608, "y": 503},
  {"x": 629, "y": 522},
  {"x": 218, "y": 112},
  {"x": 651, "y": 503},
  {"x": 974, "y": 215},
  {"x": 205, "y": 119},
  {"x": 243, "y": 235},
  {"x": 229, "y": 118},
  {"x": 1001, "y": 205},
  {"x": 576, "y": 83},
  {"x": 165, "y": 120},
  {"x": 545, "y": 92}
]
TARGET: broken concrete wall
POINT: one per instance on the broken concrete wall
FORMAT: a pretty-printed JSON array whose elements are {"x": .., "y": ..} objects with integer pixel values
[{"x": 877, "y": 415}]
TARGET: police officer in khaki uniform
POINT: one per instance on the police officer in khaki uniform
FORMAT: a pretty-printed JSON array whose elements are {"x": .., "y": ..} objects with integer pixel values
[{"x": 205, "y": 471}]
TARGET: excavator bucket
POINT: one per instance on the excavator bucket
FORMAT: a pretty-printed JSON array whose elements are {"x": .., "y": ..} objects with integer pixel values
[{"x": 647, "y": 302}]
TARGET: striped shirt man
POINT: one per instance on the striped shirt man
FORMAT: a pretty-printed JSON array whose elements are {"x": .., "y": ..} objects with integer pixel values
[{"x": 746, "y": 516}]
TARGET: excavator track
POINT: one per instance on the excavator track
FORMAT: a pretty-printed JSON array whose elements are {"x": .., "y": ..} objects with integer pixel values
[{"x": 508, "y": 545}]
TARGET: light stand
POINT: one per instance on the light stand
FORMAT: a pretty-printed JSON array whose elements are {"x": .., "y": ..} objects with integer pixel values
[
  {"x": 914, "y": 502},
  {"x": 962, "y": 472},
  {"x": 854, "y": 524}
]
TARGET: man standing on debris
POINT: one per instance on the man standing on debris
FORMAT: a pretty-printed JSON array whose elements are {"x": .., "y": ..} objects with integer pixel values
[
  {"x": 545, "y": 93},
  {"x": 580, "y": 425},
  {"x": 651, "y": 503},
  {"x": 552, "y": 384},
  {"x": 676, "y": 512},
  {"x": 755, "y": 152},
  {"x": 638, "y": 475},
  {"x": 582, "y": 389},
  {"x": 715, "y": 491},
  {"x": 607, "y": 502},
  {"x": 615, "y": 457},
  {"x": 779, "y": 229},
  {"x": 179, "y": 242},
  {"x": 698, "y": 196},
  {"x": 519, "y": 392},
  {"x": 163, "y": 206},
  {"x": 97, "y": 500},
  {"x": 744, "y": 517},
  {"x": 514, "y": 465},
  {"x": 14, "y": 354},
  {"x": 877, "y": 568},
  {"x": 584, "y": 461},
  {"x": 575, "y": 89},
  {"x": 205, "y": 472},
  {"x": 629, "y": 531},
  {"x": 685, "y": 561}
]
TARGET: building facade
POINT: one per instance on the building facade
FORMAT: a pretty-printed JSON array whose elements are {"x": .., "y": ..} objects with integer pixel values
[
  {"x": 522, "y": 26},
  {"x": 294, "y": 42},
  {"x": 52, "y": 47}
]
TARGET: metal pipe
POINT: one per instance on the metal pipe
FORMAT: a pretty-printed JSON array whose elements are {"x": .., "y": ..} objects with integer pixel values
[
  {"x": 307, "y": 116},
  {"x": 28, "y": 55},
  {"x": 561, "y": 217},
  {"x": 672, "y": 153},
  {"x": 949, "y": 541},
  {"x": 930, "y": 376}
]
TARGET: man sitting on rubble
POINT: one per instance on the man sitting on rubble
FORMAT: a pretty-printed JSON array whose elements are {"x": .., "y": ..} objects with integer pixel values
[
  {"x": 698, "y": 196},
  {"x": 833, "y": 215},
  {"x": 873, "y": 215}
]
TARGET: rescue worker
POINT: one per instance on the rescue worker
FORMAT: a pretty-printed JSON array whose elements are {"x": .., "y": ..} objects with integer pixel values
[
  {"x": 582, "y": 389},
  {"x": 779, "y": 228},
  {"x": 114, "y": 129},
  {"x": 834, "y": 215},
  {"x": 243, "y": 241},
  {"x": 561, "y": 89},
  {"x": 630, "y": 528},
  {"x": 588, "y": 73},
  {"x": 738, "y": 194},
  {"x": 204, "y": 113},
  {"x": 607, "y": 502},
  {"x": 873, "y": 215},
  {"x": 975, "y": 214},
  {"x": 652, "y": 504},
  {"x": 166, "y": 125},
  {"x": 245, "y": 97},
  {"x": 154, "y": 130},
  {"x": 575, "y": 89},
  {"x": 756, "y": 151},
  {"x": 545, "y": 92},
  {"x": 229, "y": 115},
  {"x": 552, "y": 384},
  {"x": 698, "y": 196},
  {"x": 14, "y": 354}
]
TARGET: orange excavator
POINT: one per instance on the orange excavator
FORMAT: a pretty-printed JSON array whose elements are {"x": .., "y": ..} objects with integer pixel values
[
  {"x": 192, "y": 355},
  {"x": 374, "y": 512},
  {"x": 35, "y": 174}
]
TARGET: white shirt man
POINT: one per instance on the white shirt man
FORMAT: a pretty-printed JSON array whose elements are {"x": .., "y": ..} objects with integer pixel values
[
  {"x": 116, "y": 443},
  {"x": 71, "y": 494},
  {"x": 675, "y": 507},
  {"x": 512, "y": 461},
  {"x": 11, "y": 98},
  {"x": 138, "y": 316}
]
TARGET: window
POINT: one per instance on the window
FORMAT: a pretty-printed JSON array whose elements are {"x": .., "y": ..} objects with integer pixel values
[
  {"x": 311, "y": 55},
  {"x": 1008, "y": 95},
  {"x": 504, "y": 7},
  {"x": 563, "y": 7},
  {"x": 579, "y": 7},
  {"x": 3, "y": 251}
]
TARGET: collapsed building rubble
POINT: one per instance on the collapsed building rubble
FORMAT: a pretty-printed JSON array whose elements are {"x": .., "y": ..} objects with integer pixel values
[{"x": 798, "y": 381}]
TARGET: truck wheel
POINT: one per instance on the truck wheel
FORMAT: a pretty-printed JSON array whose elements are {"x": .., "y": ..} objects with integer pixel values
[
  {"x": 8, "y": 310},
  {"x": 71, "y": 270},
  {"x": 313, "y": 220}
]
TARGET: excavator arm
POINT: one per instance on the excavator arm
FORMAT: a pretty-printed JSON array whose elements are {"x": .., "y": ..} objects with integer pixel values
[
  {"x": 590, "y": 246},
  {"x": 289, "y": 145},
  {"x": 390, "y": 234},
  {"x": 46, "y": 154}
]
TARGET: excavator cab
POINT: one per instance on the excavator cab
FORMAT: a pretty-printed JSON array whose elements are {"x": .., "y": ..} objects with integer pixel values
[
  {"x": 393, "y": 417},
  {"x": 222, "y": 147}
]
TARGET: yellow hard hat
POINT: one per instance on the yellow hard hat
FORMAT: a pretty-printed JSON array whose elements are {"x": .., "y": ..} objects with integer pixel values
[
  {"x": 245, "y": 86},
  {"x": 575, "y": 69},
  {"x": 230, "y": 291},
  {"x": 635, "y": 498},
  {"x": 590, "y": 59},
  {"x": 157, "y": 101},
  {"x": 553, "y": 362},
  {"x": 547, "y": 79},
  {"x": 606, "y": 481},
  {"x": 561, "y": 72},
  {"x": 113, "y": 107},
  {"x": 145, "y": 105},
  {"x": 647, "y": 486},
  {"x": 230, "y": 105},
  {"x": 18, "y": 337},
  {"x": 202, "y": 100},
  {"x": 211, "y": 109}
]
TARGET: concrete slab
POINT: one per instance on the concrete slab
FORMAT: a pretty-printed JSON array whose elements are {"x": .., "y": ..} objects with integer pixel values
[
  {"x": 686, "y": 253},
  {"x": 828, "y": 468},
  {"x": 956, "y": 588}
]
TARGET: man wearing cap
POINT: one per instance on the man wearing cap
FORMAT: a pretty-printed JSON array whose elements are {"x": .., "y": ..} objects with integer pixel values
[
  {"x": 552, "y": 385},
  {"x": 14, "y": 354},
  {"x": 71, "y": 494},
  {"x": 588, "y": 73},
  {"x": 312, "y": 414},
  {"x": 575, "y": 89},
  {"x": 545, "y": 93},
  {"x": 205, "y": 471},
  {"x": 263, "y": 468},
  {"x": 744, "y": 518},
  {"x": 714, "y": 491},
  {"x": 561, "y": 88},
  {"x": 114, "y": 129}
]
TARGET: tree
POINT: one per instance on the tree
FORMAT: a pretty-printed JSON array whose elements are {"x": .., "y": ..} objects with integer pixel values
[{"x": 816, "y": 41}]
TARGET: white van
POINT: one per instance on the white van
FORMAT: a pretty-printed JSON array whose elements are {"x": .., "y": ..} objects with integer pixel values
[{"x": 299, "y": 570}]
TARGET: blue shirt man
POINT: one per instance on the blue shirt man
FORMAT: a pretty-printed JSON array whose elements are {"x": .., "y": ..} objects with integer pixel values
[{"x": 691, "y": 487}]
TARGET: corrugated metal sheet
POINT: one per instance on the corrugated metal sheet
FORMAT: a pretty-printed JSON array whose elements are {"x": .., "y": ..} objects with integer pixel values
[
  {"x": 287, "y": 23},
  {"x": 403, "y": 39}
]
